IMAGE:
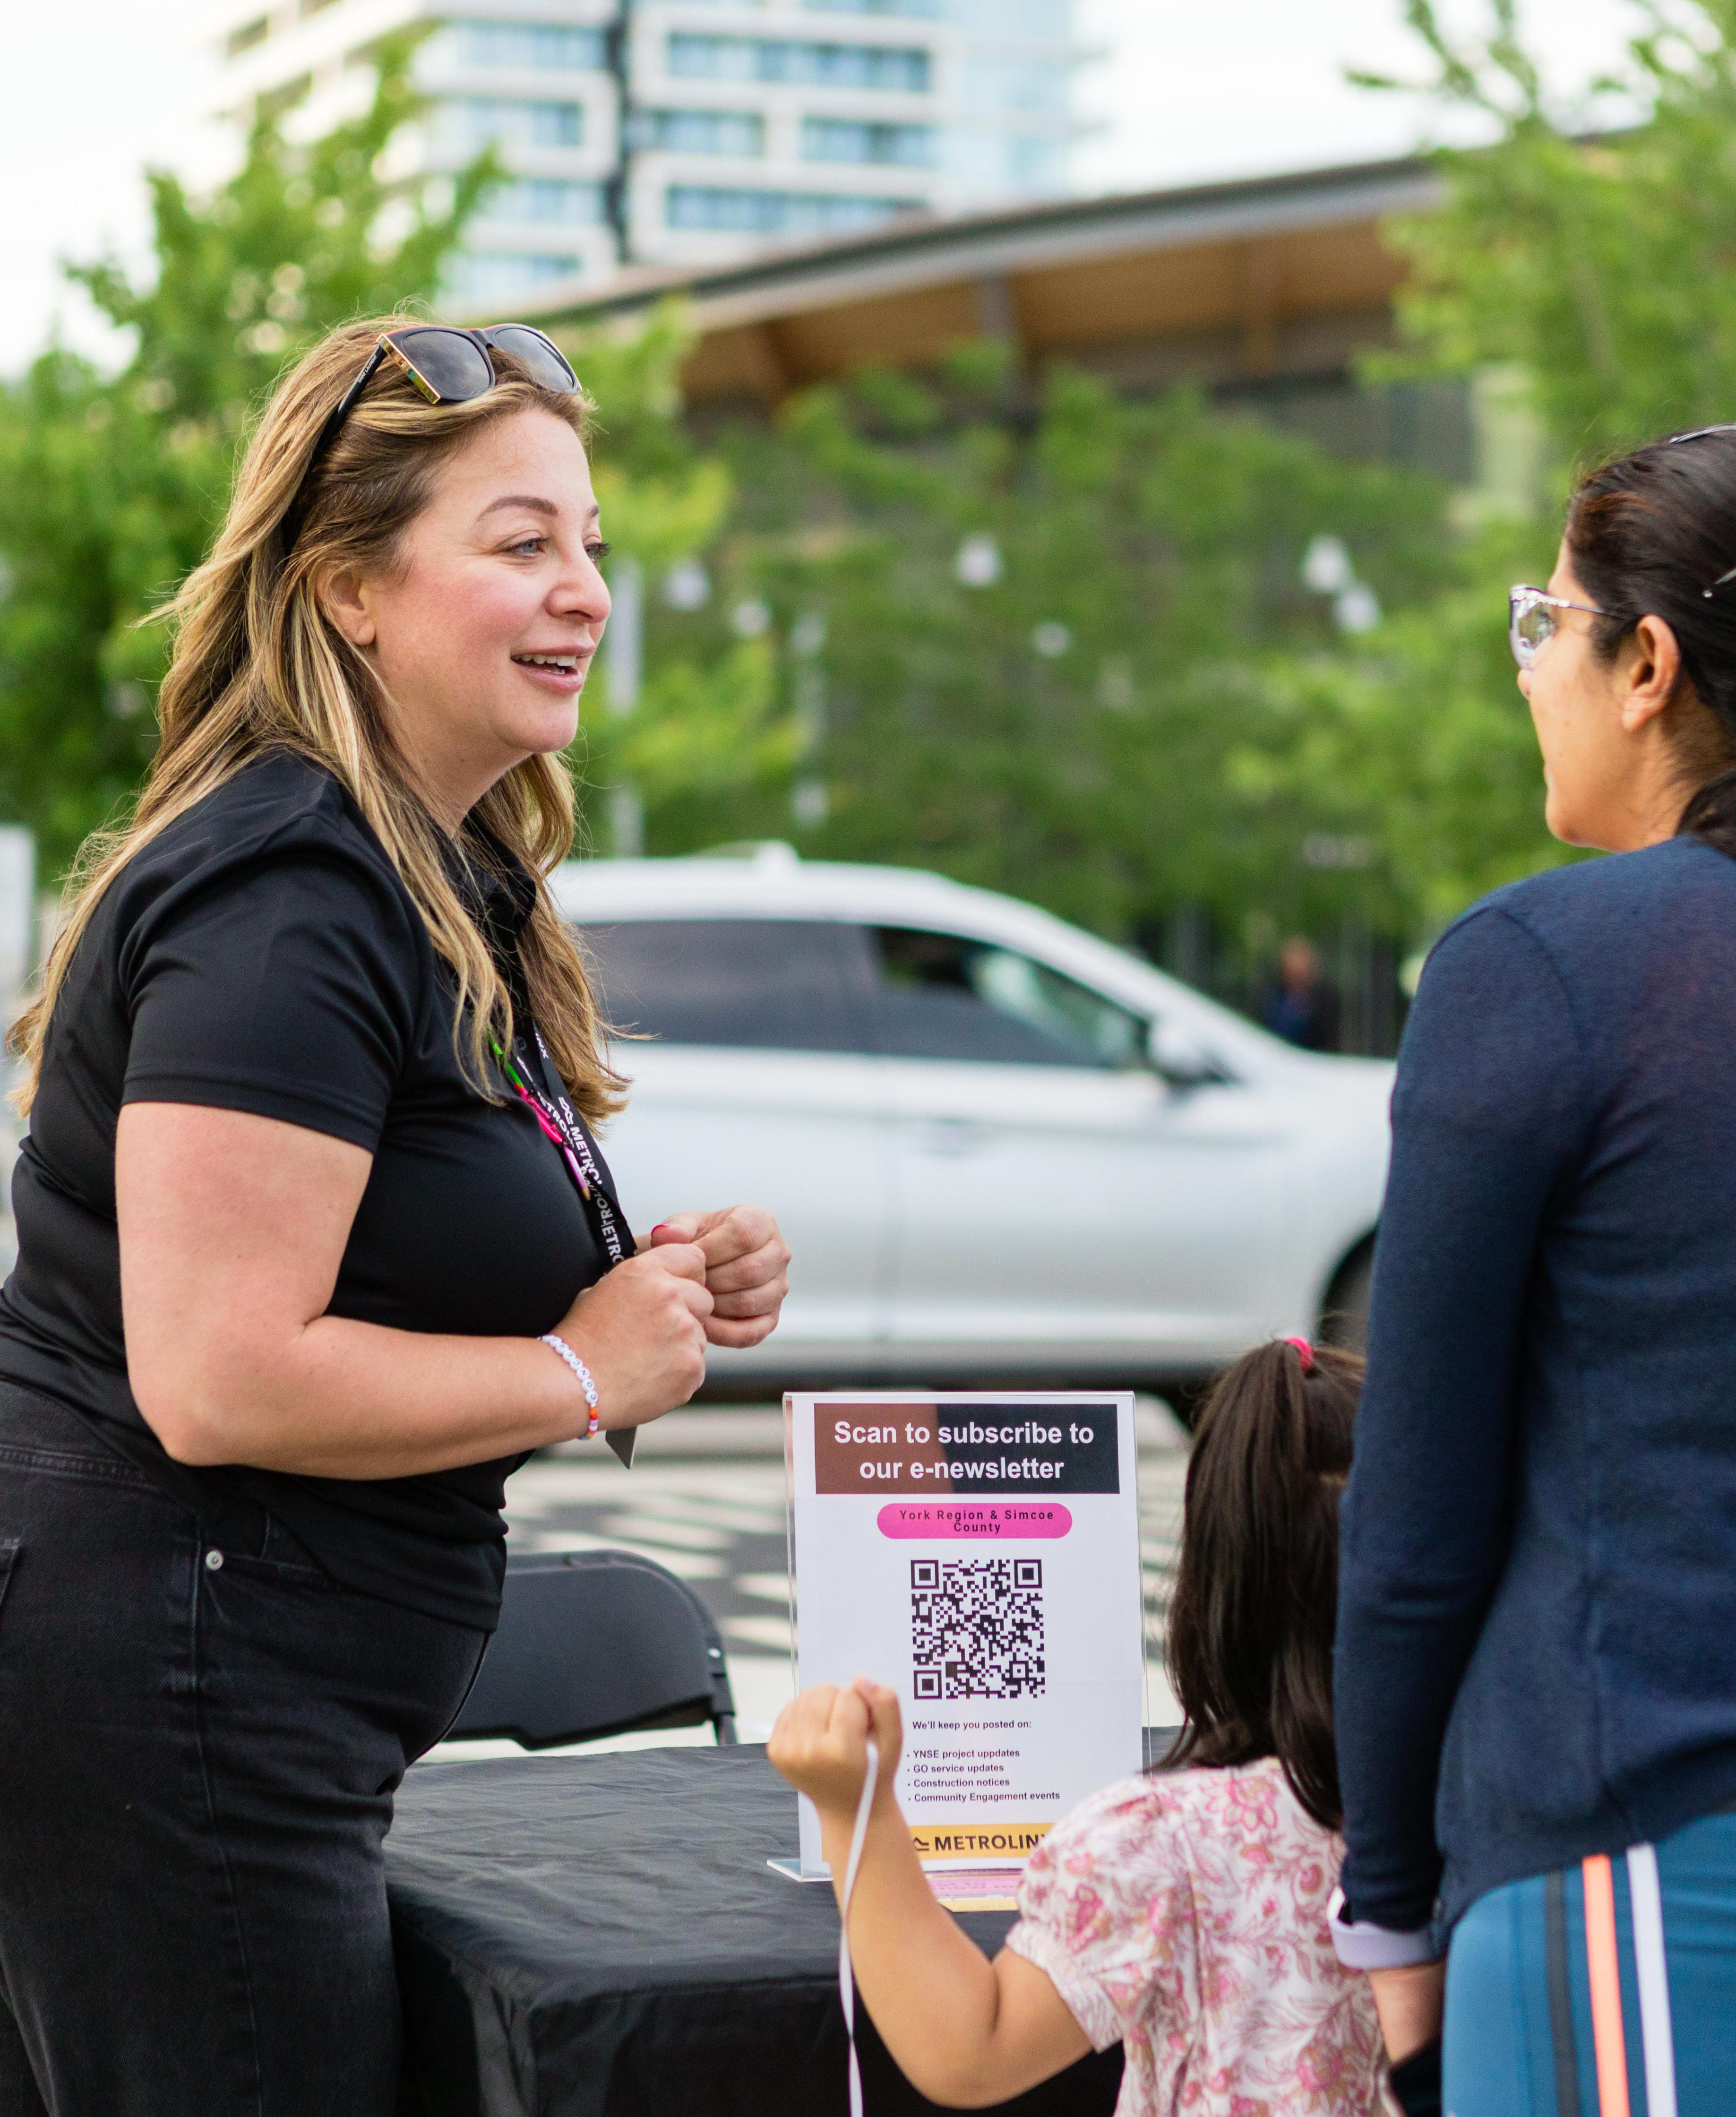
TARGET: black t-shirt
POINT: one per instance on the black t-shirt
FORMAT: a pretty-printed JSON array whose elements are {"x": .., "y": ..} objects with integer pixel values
[{"x": 263, "y": 955}]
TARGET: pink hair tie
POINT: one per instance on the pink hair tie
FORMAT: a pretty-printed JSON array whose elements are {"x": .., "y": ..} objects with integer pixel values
[{"x": 1305, "y": 1353}]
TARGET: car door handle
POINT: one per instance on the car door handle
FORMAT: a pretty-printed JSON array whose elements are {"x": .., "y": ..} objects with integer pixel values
[{"x": 950, "y": 1136}]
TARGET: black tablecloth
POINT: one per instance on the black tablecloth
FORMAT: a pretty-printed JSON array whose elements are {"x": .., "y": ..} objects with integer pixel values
[{"x": 601, "y": 1937}]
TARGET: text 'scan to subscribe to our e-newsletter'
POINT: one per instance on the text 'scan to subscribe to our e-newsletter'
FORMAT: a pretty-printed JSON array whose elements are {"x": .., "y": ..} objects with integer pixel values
[{"x": 980, "y": 1553}]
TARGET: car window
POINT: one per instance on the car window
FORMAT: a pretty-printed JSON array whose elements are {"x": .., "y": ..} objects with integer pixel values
[
  {"x": 946, "y": 996},
  {"x": 791, "y": 985}
]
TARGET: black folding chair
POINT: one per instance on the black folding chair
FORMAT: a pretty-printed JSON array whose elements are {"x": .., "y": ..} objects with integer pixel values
[{"x": 595, "y": 1643}]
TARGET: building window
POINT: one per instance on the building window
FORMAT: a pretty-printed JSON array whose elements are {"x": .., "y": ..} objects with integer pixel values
[
  {"x": 273, "y": 102},
  {"x": 701, "y": 132},
  {"x": 552, "y": 199},
  {"x": 1051, "y": 19},
  {"x": 745, "y": 212},
  {"x": 536, "y": 46},
  {"x": 989, "y": 82},
  {"x": 470, "y": 122},
  {"x": 849, "y": 140},
  {"x": 1036, "y": 165},
  {"x": 246, "y": 35},
  {"x": 492, "y": 276},
  {"x": 813, "y": 65},
  {"x": 926, "y": 10}
]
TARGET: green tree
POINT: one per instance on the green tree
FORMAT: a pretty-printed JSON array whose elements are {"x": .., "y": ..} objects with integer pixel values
[
  {"x": 708, "y": 731},
  {"x": 1585, "y": 255},
  {"x": 111, "y": 484},
  {"x": 1417, "y": 745},
  {"x": 1060, "y": 729},
  {"x": 1599, "y": 261},
  {"x": 1145, "y": 708}
]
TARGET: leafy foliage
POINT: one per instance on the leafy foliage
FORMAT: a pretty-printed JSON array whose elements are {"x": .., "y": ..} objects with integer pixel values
[
  {"x": 1602, "y": 263},
  {"x": 1593, "y": 267},
  {"x": 111, "y": 486},
  {"x": 1204, "y": 722},
  {"x": 708, "y": 729},
  {"x": 1060, "y": 730},
  {"x": 1419, "y": 746},
  {"x": 1137, "y": 706}
]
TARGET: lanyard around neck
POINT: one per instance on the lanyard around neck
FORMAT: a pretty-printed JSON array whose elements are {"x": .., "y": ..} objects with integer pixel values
[{"x": 560, "y": 1124}]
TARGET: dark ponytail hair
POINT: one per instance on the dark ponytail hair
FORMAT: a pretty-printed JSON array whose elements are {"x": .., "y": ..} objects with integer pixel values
[
  {"x": 1250, "y": 1628},
  {"x": 1649, "y": 533}
]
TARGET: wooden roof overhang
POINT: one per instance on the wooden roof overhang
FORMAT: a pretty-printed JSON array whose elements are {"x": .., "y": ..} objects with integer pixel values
[{"x": 1243, "y": 269}]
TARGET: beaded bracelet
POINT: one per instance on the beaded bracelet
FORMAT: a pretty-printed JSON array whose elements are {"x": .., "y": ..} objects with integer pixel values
[{"x": 586, "y": 1381}]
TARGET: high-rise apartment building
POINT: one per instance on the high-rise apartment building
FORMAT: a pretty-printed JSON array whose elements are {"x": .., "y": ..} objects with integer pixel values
[{"x": 689, "y": 131}]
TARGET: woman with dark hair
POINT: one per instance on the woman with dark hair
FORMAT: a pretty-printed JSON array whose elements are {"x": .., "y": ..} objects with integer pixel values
[
  {"x": 315, "y": 1243},
  {"x": 1536, "y": 1646},
  {"x": 1182, "y": 1915}
]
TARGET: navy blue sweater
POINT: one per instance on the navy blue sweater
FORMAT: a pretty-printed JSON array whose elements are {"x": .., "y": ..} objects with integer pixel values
[{"x": 1536, "y": 1648}]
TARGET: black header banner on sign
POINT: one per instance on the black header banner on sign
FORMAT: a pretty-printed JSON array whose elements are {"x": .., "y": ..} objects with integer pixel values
[{"x": 1007, "y": 1451}]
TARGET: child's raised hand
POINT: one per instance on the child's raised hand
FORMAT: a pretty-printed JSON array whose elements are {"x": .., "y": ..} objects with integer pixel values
[{"x": 820, "y": 1743}]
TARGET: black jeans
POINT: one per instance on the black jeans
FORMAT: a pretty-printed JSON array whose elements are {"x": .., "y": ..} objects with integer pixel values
[{"x": 200, "y": 1735}]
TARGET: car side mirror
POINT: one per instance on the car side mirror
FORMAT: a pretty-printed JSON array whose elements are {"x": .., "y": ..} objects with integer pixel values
[{"x": 1181, "y": 1064}]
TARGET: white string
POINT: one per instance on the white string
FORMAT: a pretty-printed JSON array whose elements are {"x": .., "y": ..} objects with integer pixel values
[
  {"x": 846, "y": 1982},
  {"x": 1646, "y": 1898}
]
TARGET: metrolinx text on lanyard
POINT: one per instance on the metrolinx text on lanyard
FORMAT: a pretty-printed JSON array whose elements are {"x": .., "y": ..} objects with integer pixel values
[{"x": 561, "y": 1125}]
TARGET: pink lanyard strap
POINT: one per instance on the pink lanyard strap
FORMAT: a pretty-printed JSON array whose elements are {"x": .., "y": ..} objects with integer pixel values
[
  {"x": 562, "y": 1128},
  {"x": 551, "y": 1131}
]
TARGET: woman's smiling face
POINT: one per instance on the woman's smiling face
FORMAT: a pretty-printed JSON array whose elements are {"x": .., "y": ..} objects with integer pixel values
[{"x": 483, "y": 632}]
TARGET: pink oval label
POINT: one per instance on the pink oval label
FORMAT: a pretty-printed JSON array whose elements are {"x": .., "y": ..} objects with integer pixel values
[{"x": 990, "y": 1520}]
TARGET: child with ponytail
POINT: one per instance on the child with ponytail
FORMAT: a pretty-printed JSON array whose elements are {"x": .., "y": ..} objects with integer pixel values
[{"x": 1182, "y": 1914}]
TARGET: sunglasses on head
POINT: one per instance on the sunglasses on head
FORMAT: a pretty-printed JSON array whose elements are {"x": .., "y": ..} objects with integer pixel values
[{"x": 448, "y": 366}]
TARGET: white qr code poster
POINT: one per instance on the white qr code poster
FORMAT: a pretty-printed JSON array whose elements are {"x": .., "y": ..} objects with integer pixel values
[{"x": 980, "y": 1553}]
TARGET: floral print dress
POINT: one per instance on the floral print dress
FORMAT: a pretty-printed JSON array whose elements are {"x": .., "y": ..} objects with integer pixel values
[{"x": 1184, "y": 1915}]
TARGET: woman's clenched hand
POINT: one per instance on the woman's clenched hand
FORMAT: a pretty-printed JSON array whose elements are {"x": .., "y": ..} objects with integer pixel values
[
  {"x": 747, "y": 1264},
  {"x": 642, "y": 1331}
]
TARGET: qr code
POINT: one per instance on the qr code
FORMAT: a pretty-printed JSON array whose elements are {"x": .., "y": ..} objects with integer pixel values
[{"x": 976, "y": 1627}]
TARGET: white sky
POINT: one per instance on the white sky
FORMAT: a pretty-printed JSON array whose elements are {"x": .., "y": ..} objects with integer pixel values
[{"x": 92, "y": 89}]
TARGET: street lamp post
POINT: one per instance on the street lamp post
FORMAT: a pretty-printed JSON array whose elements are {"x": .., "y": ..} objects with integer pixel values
[
  {"x": 809, "y": 803},
  {"x": 619, "y": 187},
  {"x": 624, "y": 648}
]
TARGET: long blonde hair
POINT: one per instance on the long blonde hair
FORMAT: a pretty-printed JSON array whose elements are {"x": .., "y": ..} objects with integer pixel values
[{"x": 257, "y": 664}]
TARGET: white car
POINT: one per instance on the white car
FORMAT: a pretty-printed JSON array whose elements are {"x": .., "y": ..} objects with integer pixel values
[{"x": 999, "y": 1147}]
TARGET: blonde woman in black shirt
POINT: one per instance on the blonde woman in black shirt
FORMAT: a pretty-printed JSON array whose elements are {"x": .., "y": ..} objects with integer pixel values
[{"x": 315, "y": 1242}]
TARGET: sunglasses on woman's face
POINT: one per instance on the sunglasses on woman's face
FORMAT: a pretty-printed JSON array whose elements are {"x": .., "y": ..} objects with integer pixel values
[
  {"x": 448, "y": 366},
  {"x": 1532, "y": 622}
]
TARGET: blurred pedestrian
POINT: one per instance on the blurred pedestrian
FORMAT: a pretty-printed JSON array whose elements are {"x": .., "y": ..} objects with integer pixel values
[
  {"x": 1535, "y": 1678},
  {"x": 315, "y": 1243},
  {"x": 1301, "y": 1007}
]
